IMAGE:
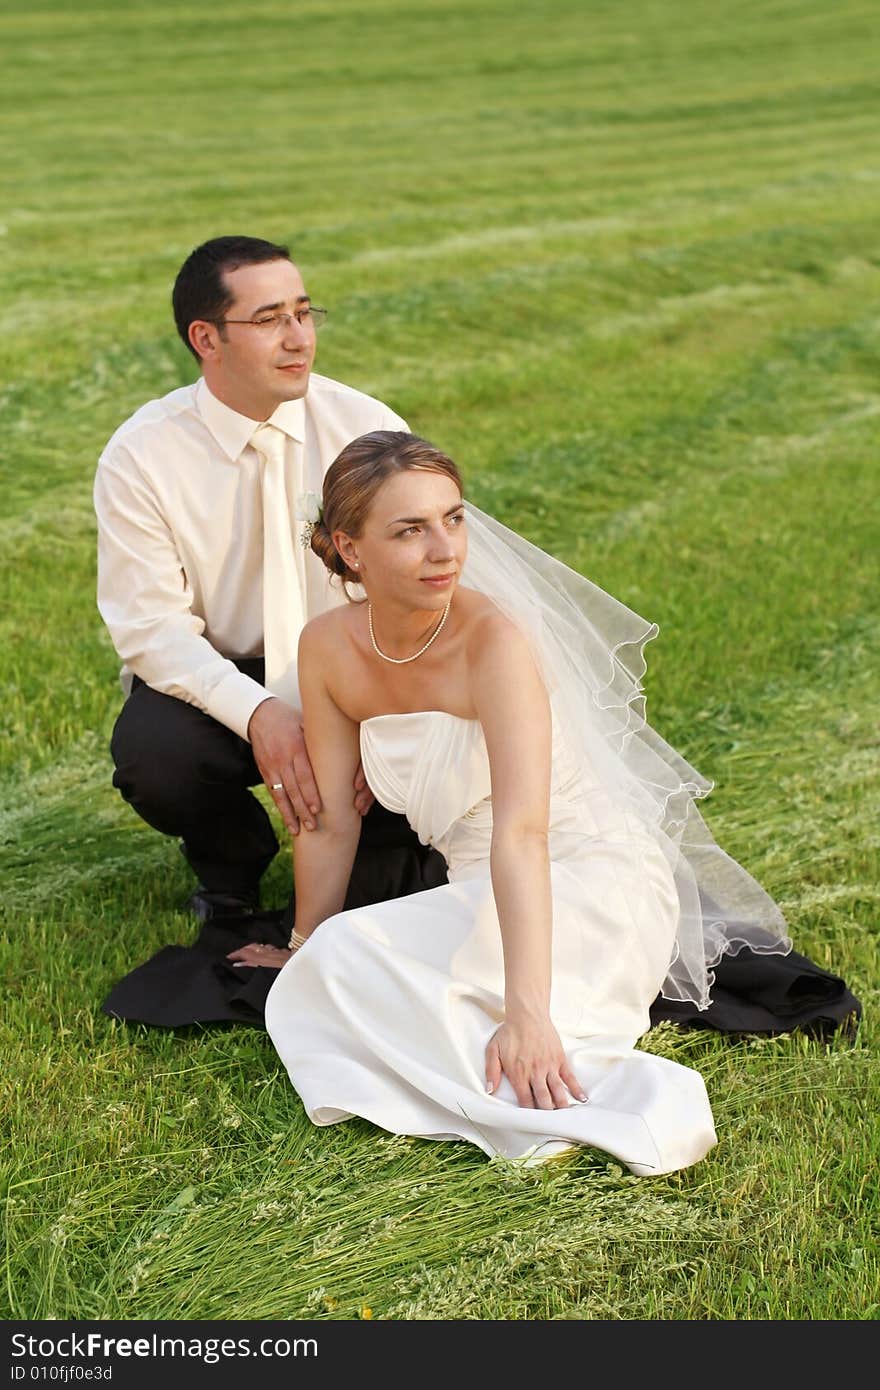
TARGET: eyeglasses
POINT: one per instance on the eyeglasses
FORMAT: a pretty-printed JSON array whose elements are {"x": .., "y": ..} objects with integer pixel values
[{"x": 277, "y": 323}]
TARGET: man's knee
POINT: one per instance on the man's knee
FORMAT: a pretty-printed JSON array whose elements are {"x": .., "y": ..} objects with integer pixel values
[{"x": 163, "y": 747}]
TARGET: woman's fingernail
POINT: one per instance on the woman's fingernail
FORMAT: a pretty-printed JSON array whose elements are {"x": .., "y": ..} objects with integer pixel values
[
  {"x": 314, "y": 810},
  {"x": 490, "y": 1086}
]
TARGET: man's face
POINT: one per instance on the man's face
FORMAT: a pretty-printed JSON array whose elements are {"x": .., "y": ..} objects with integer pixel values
[{"x": 253, "y": 368}]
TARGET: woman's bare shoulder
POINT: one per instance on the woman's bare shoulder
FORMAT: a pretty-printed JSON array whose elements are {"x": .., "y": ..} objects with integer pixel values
[
  {"x": 486, "y": 623},
  {"x": 326, "y": 632}
]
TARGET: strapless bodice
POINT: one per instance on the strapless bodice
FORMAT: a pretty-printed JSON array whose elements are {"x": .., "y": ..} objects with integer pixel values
[
  {"x": 433, "y": 768},
  {"x": 430, "y": 766}
]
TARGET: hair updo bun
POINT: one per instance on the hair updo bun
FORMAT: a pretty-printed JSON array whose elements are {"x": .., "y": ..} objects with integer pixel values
[
  {"x": 356, "y": 475},
  {"x": 322, "y": 544}
]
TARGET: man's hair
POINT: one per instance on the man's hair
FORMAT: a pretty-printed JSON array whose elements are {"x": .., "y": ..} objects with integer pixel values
[{"x": 200, "y": 291}]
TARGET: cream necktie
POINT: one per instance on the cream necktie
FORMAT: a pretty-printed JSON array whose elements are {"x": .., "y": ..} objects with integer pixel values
[{"x": 283, "y": 578}]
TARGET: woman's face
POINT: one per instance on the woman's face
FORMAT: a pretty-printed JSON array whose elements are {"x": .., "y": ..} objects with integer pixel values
[{"x": 414, "y": 542}]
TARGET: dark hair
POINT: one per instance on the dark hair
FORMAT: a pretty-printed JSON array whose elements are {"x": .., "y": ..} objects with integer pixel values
[
  {"x": 200, "y": 291},
  {"x": 355, "y": 476}
]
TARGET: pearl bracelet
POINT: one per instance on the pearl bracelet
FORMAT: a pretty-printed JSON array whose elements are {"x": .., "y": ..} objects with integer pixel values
[{"x": 296, "y": 940}]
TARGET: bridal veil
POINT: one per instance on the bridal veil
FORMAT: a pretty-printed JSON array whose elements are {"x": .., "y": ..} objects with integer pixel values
[{"x": 590, "y": 650}]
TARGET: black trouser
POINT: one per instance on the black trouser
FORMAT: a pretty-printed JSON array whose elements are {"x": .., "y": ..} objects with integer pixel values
[{"x": 188, "y": 776}]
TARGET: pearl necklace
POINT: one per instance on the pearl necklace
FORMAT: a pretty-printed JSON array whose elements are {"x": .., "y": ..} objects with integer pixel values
[{"x": 402, "y": 660}]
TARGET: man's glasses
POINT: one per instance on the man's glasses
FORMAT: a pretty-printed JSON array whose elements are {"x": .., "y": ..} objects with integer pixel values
[{"x": 270, "y": 324}]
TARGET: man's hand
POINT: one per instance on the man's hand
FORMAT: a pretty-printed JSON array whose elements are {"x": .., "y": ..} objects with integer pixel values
[
  {"x": 363, "y": 797},
  {"x": 276, "y": 734}
]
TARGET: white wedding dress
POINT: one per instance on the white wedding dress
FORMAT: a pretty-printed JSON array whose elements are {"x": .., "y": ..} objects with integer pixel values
[{"x": 387, "y": 1010}]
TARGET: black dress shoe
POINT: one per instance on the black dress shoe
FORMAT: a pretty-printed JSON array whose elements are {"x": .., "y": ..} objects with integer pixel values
[{"x": 209, "y": 906}]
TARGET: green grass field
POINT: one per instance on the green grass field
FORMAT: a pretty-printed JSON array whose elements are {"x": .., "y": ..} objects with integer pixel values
[{"x": 623, "y": 262}]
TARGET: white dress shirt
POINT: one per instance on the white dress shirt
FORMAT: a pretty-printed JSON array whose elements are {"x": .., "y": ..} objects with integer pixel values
[{"x": 180, "y": 535}]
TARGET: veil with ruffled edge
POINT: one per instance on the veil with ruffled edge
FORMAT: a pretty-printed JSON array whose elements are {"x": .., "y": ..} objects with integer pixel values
[{"x": 590, "y": 649}]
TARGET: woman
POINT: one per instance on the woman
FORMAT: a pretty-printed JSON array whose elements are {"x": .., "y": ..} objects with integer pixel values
[{"x": 505, "y": 1006}]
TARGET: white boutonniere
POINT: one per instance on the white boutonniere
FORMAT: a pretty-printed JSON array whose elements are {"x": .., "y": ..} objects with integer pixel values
[{"x": 309, "y": 511}]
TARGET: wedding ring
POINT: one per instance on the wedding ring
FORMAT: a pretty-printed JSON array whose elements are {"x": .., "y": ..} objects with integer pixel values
[{"x": 278, "y": 786}]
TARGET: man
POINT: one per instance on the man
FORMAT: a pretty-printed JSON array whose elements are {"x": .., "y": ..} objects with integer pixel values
[{"x": 204, "y": 584}]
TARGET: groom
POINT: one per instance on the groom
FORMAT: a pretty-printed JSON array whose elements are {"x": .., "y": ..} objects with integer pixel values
[{"x": 204, "y": 585}]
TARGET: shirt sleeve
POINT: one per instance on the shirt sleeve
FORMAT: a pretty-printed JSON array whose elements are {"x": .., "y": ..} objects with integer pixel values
[{"x": 144, "y": 599}]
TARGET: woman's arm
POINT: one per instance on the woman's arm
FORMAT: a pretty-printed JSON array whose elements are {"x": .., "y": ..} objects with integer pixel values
[
  {"x": 323, "y": 857},
  {"x": 514, "y": 711}
]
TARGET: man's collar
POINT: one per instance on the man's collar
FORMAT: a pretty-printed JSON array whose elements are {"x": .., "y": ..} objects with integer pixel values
[{"x": 233, "y": 431}]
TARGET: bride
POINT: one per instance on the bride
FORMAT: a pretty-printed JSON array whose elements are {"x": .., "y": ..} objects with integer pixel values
[{"x": 504, "y": 716}]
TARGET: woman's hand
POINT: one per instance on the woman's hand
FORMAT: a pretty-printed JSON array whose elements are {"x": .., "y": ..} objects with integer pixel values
[
  {"x": 528, "y": 1051},
  {"x": 258, "y": 954}
]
